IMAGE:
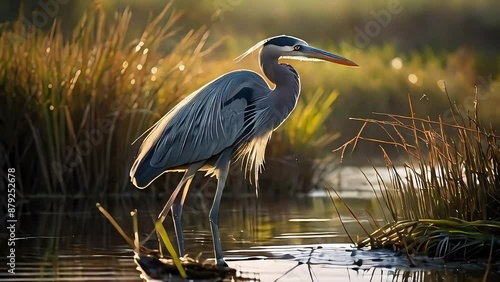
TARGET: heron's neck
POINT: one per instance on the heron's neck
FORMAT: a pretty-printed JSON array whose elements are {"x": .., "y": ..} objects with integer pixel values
[
  {"x": 287, "y": 90},
  {"x": 284, "y": 76}
]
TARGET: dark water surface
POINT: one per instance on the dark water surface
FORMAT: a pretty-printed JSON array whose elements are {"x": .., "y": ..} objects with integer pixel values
[{"x": 298, "y": 239}]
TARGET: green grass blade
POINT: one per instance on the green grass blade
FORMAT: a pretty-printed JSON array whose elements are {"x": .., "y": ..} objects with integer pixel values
[{"x": 170, "y": 248}]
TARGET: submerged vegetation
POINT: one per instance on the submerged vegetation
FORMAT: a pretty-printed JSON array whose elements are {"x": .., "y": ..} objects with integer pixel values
[
  {"x": 446, "y": 203},
  {"x": 154, "y": 266}
]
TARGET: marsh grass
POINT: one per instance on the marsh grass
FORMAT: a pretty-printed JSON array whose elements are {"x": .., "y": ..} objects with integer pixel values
[
  {"x": 73, "y": 106},
  {"x": 301, "y": 145},
  {"x": 446, "y": 204}
]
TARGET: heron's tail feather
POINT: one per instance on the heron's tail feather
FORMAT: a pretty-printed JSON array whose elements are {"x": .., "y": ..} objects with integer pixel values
[{"x": 142, "y": 173}]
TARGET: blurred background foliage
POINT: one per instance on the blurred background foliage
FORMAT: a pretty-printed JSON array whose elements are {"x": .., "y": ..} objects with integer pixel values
[{"x": 59, "y": 81}]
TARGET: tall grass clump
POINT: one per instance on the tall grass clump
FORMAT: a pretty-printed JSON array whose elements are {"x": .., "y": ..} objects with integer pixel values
[
  {"x": 71, "y": 107},
  {"x": 299, "y": 149},
  {"x": 446, "y": 202}
]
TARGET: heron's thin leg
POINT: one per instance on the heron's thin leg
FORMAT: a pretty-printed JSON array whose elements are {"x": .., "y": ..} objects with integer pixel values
[
  {"x": 168, "y": 205},
  {"x": 177, "y": 213},
  {"x": 190, "y": 172},
  {"x": 214, "y": 212},
  {"x": 170, "y": 202}
]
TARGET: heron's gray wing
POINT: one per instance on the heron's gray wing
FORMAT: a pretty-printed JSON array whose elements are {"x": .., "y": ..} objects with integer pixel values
[{"x": 207, "y": 121}]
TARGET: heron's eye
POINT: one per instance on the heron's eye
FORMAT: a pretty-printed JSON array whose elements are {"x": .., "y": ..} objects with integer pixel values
[{"x": 296, "y": 47}]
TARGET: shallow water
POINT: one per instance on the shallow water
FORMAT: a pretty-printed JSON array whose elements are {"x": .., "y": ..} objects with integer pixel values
[{"x": 298, "y": 239}]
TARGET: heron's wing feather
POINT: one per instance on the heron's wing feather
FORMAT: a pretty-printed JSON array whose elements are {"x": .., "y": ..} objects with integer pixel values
[{"x": 206, "y": 122}]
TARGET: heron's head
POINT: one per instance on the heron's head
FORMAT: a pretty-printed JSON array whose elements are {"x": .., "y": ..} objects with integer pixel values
[{"x": 289, "y": 47}]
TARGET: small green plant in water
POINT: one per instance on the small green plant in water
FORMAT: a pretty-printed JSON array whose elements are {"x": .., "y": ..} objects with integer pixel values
[{"x": 153, "y": 265}]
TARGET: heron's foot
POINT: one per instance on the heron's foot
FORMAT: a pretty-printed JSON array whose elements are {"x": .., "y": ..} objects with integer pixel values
[{"x": 221, "y": 263}]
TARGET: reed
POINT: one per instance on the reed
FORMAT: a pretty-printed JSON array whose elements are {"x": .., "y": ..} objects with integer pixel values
[
  {"x": 74, "y": 105},
  {"x": 446, "y": 202}
]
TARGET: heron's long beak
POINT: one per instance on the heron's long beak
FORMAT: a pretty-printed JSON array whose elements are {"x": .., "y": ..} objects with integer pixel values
[{"x": 314, "y": 53}]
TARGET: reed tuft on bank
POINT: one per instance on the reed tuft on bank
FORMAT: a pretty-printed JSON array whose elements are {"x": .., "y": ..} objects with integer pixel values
[{"x": 445, "y": 203}]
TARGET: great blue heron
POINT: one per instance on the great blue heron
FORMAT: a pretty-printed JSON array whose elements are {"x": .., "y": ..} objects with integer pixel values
[{"x": 230, "y": 118}]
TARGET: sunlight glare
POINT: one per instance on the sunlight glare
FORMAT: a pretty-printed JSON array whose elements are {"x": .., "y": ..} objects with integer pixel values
[
  {"x": 139, "y": 46},
  {"x": 397, "y": 63},
  {"x": 413, "y": 78},
  {"x": 309, "y": 219}
]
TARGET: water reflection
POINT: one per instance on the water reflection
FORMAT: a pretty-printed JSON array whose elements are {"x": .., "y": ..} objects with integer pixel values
[{"x": 68, "y": 239}]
